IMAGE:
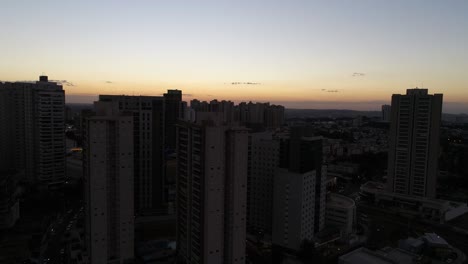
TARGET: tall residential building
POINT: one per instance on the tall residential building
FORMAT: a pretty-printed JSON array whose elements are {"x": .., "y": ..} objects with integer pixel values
[
  {"x": 148, "y": 137},
  {"x": 386, "y": 113},
  {"x": 299, "y": 190},
  {"x": 33, "y": 129},
  {"x": 174, "y": 111},
  {"x": 211, "y": 191},
  {"x": 414, "y": 143},
  {"x": 263, "y": 162},
  {"x": 109, "y": 172}
]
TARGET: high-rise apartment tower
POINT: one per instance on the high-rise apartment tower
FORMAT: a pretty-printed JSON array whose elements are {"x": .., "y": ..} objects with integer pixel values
[
  {"x": 211, "y": 191},
  {"x": 32, "y": 130},
  {"x": 108, "y": 186},
  {"x": 414, "y": 143}
]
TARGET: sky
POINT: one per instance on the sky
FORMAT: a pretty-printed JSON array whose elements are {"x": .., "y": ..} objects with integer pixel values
[{"x": 303, "y": 54}]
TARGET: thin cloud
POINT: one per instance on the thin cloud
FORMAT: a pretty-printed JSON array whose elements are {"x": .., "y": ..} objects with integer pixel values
[
  {"x": 245, "y": 83},
  {"x": 63, "y": 82},
  {"x": 358, "y": 74},
  {"x": 108, "y": 82},
  {"x": 331, "y": 90}
]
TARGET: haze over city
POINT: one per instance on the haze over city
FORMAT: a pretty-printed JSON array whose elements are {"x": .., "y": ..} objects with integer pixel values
[{"x": 302, "y": 54}]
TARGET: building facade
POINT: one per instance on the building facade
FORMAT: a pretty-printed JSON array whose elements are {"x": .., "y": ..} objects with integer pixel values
[
  {"x": 263, "y": 163},
  {"x": 148, "y": 136},
  {"x": 211, "y": 191},
  {"x": 414, "y": 143},
  {"x": 295, "y": 217},
  {"x": 109, "y": 174}
]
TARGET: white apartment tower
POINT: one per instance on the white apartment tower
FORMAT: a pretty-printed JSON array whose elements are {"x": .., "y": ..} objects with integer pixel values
[
  {"x": 108, "y": 169},
  {"x": 211, "y": 191},
  {"x": 294, "y": 213},
  {"x": 299, "y": 190},
  {"x": 414, "y": 143}
]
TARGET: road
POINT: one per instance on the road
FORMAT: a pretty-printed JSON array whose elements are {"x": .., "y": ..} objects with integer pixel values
[
  {"x": 71, "y": 199},
  {"x": 55, "y": 241}
]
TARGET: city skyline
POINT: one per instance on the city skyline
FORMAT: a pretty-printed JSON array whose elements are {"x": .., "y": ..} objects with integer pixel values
[
  {"x": 234, "y": 132},
  {"x": 301, "y": 55}
]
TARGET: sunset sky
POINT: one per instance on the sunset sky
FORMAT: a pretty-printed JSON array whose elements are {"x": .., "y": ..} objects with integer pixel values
[{"x": 303, "y": 54}]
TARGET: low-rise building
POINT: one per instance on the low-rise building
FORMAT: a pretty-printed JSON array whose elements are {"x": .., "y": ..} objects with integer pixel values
[
  {"x": 340, "y": 212},
  {"x": 436, "y": 210}
]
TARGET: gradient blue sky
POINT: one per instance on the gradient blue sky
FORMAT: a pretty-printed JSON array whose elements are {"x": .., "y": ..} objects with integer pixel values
[{"x": 299, "y": 51}]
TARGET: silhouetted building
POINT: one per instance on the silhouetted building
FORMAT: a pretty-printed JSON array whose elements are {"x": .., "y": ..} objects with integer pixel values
[
  {"x": 274, "y": 116},
  {"x": 414, "y": 143},
  {"x": 263, "y": 163},
  {"x": 109, "y": 173},
  {"x": 386, "y": 113},
  {"x": 148, "y": 137},
  {"x": 173, "y": 111},
  {"x": 299, "y": 190},
  {"x": 211, "y": 191},
  {"x": 32, "y": 130},
  {"x": 254, "y": 115}
]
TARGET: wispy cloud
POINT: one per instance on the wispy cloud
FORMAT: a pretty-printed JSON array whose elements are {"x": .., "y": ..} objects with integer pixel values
[
  {"x": 63, "y": 82},
  {"x": 330, "y": 90},
  {"x": 245, "y": 83},
  {"x": 358, "y": 74}
]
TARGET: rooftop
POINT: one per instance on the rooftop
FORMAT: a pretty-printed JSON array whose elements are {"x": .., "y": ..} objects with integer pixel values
[
  {"x": 365, "y": 256},
  {"x": 435, "y": 240},
  {"x": 337, "y": 200},
  {"x": 398, "y": 255}
]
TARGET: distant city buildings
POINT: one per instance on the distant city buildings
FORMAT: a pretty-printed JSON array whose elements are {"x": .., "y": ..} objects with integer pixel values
[
  {"x": 386, "y": 113},
  {"x": 299, "y": 190},
  {"x": 250, "y": 114},
  {"x": 32, "y": 130},
  {"x": 414, "y": 143},
  {"x": 211, "y": 190},
  {"x": 108, "y": 185}
]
